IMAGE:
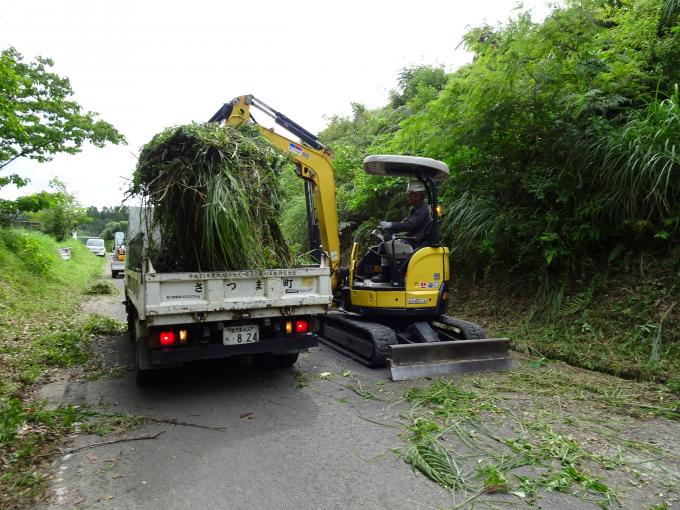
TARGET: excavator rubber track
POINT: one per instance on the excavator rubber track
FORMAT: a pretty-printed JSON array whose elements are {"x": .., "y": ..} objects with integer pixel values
[
  {"x": 364, "y": 341},
  {"x": 422, "y": 350}
]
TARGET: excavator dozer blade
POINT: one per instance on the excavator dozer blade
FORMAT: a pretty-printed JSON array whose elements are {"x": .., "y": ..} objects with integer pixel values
[{"x": 412, "y": 361}]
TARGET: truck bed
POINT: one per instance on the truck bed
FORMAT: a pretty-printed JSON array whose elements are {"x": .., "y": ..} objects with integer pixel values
[{"x": 179, "y": 298}]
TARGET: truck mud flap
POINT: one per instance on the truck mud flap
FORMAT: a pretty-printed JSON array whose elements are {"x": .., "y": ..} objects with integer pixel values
[{"x": 416, "y": 360}]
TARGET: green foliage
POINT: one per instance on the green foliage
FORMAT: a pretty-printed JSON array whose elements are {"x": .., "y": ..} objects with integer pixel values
[
  {"x": 64, "y": 213},
  {"x": 38, "y": 290},
  {"x": 562, "y": 138},
  {"x": 28, "y": 433},
  {"x": 12, "y": 209},
  {"x": 37, "y": 116},
  {"x": 499, "y": 434},
  {"x": 215, "y": 197},
  {"x": 39, "y": 297},
  {"x": 639, "y": 163},
  {"x": 430, "y": 456},
  {"x": 102, "y": 287},
  {"x": 31, "y": 251},
  {"x": 417, "y": 86},
  {"x": 626, "y": 323},
  {"x": 111, "y": 228},
  {"x": 100, "y": 219}
]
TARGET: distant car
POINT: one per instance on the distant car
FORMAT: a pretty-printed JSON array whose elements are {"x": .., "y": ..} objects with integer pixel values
[{"x": 96, "y": 246}]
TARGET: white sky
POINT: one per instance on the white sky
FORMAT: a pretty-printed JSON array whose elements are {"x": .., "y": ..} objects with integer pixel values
[{"x": 144, "y": 66}]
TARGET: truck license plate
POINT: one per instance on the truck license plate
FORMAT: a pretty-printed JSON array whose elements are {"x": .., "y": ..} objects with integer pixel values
[{"x": 237, "y": 335}]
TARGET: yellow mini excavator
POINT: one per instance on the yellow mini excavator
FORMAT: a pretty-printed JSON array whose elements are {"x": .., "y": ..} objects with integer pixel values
[{"x": 399, "y": 320}]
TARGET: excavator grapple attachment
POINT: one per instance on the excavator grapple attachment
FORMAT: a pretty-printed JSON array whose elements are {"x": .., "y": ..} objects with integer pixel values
[{"x": 429, "y": 359}]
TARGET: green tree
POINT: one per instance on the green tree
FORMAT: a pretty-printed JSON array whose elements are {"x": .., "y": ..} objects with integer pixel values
[
  {"x": 101, "y": 218},
  {"x": 37, "y": 117},
  {"x": 64, "y": 214},
  {"x": 562, "y": 139},
  {"x": 12, "y": 209},
  {"x": 111, "y": 228}
]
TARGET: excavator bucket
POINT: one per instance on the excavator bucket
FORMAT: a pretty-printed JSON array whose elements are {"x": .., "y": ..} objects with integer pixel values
[{"x": 429, "y": 359}]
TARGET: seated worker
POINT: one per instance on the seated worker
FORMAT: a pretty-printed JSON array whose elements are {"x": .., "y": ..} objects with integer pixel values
[{"x": 415, "y": 225}]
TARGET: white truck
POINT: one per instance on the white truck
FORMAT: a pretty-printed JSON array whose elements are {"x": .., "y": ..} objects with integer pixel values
[
  {"x": 118, "y": 254},
  {"x": 175, "y": 318}
]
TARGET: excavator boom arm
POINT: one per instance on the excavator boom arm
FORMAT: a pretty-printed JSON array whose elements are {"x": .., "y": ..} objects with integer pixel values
[{"x": 312, "y": 160}]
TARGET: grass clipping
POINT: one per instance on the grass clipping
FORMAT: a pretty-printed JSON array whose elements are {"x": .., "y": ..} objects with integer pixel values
[{"x": 215, "y": 198}]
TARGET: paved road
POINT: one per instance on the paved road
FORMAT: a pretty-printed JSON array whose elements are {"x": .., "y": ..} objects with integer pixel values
[
  {"x": 284, "y": 446},
  {"x": 248, "y": 439}
]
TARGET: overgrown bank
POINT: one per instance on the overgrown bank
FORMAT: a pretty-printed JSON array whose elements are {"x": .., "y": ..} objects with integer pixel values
[
  {"x": 626, "y": 322},
  {"x": 40, "y": 329},
  {"x": 562, "y": 136}
]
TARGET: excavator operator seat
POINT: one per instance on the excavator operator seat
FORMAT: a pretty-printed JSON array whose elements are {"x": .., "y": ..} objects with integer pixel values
[{"x": 398, "y": 249}]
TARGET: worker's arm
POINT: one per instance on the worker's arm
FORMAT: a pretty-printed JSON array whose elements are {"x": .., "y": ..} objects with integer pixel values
[{"x": 417, "y": 220}]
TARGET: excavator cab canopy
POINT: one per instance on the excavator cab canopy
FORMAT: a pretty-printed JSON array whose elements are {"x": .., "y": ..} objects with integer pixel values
[
  {"x": 406, "y": 166},
  {"x": 426, "y": 170}
]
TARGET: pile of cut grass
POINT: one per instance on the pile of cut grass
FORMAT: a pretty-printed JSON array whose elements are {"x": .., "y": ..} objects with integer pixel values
[{"x": 214, "y": 193}]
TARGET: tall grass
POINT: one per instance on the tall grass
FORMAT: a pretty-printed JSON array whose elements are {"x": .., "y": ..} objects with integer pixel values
[
  {"x": 638, "y": 164},
  {"x": 469, "y": 221},
  {"x": 214, "y": 193}
]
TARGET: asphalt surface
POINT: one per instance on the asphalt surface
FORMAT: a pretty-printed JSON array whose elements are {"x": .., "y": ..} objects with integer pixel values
[
  {"x": 270, "y": 443},
  {"x": 236, "y": 437}
]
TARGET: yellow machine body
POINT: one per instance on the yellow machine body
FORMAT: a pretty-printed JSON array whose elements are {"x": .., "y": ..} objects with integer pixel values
[{"x": 425, "y": 276}]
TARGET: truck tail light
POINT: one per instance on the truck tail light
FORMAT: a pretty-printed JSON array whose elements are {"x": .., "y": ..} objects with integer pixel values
[
  {"x": 167, "y": 338},
  {"x": 298, "y": 326}
]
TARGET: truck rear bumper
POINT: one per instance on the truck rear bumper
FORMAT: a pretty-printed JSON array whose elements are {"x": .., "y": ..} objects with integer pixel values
[{"x": 175, "y": 356}]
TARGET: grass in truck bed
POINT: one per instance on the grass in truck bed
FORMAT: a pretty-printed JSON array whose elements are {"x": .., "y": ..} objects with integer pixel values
[{"x": 215, "y": 198}]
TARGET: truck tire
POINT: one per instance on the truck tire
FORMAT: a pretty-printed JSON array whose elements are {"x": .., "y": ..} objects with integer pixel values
[
  {"x": 113, "y": 275},
  {"x": 143, "y": 374}
]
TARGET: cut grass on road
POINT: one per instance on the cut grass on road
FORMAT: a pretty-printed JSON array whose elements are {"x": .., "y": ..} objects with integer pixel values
[
  {"x": 40, "y": 329},
  {"x": 513, "y": 438}
]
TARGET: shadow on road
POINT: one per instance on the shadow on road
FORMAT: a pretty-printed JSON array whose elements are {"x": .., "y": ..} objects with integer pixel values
[{"x": 234, "y": 394}]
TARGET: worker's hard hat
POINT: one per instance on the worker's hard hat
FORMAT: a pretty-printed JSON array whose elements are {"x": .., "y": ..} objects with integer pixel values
[{"x": 415, "y": 186}]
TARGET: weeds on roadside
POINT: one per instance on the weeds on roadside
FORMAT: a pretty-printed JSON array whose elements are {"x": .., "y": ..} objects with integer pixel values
[
  {"x": 29, "y": 434},
  {"x": 626, "y": 323},
  {"x": 39, "y": 295},
  {"x": 102, "y": 288}
]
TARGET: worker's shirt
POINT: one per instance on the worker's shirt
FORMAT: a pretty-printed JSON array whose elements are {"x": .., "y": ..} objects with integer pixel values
[{"x": 416, "y": 223}]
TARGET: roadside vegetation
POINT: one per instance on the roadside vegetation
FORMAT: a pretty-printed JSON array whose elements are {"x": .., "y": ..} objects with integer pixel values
[
  {"x": 626, "y": 323},
  {"x": 562, "y": 211},
  {"x": 40, "y": 329}
]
